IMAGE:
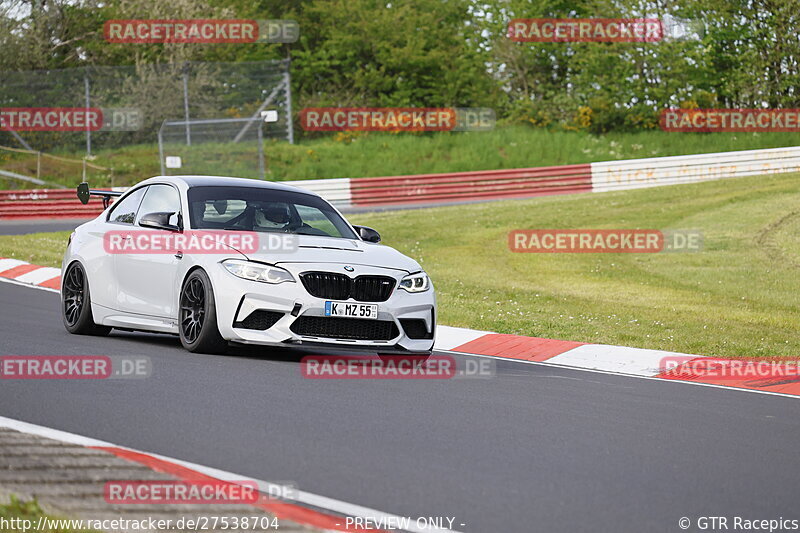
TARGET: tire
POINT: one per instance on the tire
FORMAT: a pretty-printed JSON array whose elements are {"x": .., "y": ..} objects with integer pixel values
[
  {"x": 76, "y": 303},
  {"x": 197, "y": 317}
]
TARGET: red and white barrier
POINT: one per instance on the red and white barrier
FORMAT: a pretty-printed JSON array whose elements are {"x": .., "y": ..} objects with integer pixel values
[
  {"x": 23, "y": 272},
  {"x": 464, "y": 186},
  {"x": 655, "y": 364},
  {"x": 48, "y": 203},
  {"x": 653, "y": 172},
  {"x": 433, "y": 189}
]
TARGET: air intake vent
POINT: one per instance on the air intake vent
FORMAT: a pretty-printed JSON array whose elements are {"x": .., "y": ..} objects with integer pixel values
[
  {"x": 415, "y": 328},
  {"x": 260, "y": 319},
  {"x": 333, "y": 286},
  {"x": 345, "y": 328}
]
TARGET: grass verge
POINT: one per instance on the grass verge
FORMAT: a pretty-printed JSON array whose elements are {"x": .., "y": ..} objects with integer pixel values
[
  {"x": 738, "y": 297},
  {"x": 25, "y": 515},
  {"x": 44, "y": 249}
]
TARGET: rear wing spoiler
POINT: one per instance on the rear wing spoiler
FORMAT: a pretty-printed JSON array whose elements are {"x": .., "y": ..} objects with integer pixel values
[{"x": 84, "y": 192}]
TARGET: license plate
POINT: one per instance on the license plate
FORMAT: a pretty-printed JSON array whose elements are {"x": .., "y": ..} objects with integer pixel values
[{"x": 351, "y": 310}]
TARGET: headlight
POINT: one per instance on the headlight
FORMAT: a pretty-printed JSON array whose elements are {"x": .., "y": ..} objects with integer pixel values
[
  {"x": 257, "y": 271},
  {"x": 415, "y": 282}
]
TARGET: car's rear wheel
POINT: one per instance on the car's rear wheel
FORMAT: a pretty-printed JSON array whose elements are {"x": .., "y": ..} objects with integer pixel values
[
  {"x": 76, "y": 303},
  {"x": 198, "y": 316}
]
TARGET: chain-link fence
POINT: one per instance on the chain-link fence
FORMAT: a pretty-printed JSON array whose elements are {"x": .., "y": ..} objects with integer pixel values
[
  {"x": 21, "y": 168},
  {"x": 154, "y": 93},
  {"x": 219, "y": 147}
]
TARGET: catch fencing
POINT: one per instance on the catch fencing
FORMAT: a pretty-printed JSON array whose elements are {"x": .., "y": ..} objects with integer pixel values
[{"x": 152, "y": 93}]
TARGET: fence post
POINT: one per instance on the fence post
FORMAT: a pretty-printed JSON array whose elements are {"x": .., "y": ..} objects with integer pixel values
[
  {"x": 88, "y": 129},
  {"x": 38, "y": 164},
  {"x": 261, "y": 151},
  {"x": 186, "y": 103},
  {"x": 287, "y": 79},
  {"x": 161, "y": 149}
]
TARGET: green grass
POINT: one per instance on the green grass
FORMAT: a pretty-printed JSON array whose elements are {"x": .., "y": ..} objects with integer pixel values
[
  {"x": 30, "y": 510},
  {"x": 737, "y": 298},
  {"x": 383, "y": 154},
  {"x": 44, "y": 249}
]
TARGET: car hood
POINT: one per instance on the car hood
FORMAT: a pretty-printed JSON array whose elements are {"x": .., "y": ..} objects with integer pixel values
[{"x": 313, "y": 249}]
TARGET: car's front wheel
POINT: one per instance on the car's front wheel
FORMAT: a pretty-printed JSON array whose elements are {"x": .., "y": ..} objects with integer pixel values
[
  {"x": 198, "y": 316},
  {"x": 76, "y": 303}
]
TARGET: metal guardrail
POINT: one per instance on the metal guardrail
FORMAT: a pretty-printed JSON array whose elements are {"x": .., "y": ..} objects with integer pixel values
[
  {"x": 657, "y": 171},
  {"x": 481, "y": 185},
  {"x": 46, "y": 203},
  {"x": 22, "y": 177}
]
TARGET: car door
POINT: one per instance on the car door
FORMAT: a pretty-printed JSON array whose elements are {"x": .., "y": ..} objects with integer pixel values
[
  {"x": 108, "y": 237},
  {"x": 147, "y": 278}
]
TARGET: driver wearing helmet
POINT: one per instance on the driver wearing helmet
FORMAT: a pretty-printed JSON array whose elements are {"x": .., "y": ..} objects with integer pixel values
[{"x": 272, "y": 215}]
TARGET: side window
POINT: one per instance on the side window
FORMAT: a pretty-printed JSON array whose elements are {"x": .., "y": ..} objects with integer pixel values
[
  {"x": 161, "y": 199},
  {"x": 315, "y": 218},
  {"x": 124, "y": 211},
  {"x": 217, "y": 211}
]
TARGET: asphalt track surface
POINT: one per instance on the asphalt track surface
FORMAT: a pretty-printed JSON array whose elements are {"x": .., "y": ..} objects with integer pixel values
[
  {"x": 21, "y": 227},
  {"x": 534, "y": 448}
]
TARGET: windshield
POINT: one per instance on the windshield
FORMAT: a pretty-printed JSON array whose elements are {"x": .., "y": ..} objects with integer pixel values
[{"x": 265, "y": 210}]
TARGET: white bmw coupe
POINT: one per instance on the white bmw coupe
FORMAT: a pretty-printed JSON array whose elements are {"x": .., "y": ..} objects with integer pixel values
[{"x": 218, "y": 260}]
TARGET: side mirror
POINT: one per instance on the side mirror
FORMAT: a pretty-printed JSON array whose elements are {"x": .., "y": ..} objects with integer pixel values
[
  {"x": 368, "y": 234},
  {"x": 160, "y": 220}
]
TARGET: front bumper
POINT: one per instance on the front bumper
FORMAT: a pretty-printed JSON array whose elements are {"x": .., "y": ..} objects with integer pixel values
[{"x": 236, "y": 299}]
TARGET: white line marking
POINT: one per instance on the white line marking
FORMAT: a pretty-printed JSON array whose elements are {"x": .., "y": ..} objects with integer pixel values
[
  {"x": 50, "y": 433},
  {"x": 15, "y": 282},
  {"x": 653, "y": 378},
  {"x": 307, "y": 498}
]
